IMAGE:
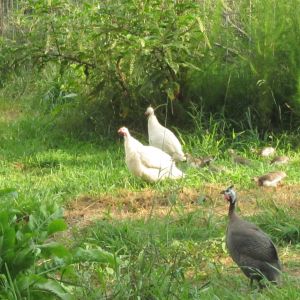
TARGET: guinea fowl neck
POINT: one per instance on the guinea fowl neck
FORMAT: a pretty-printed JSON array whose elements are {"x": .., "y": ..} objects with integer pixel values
[
  {"x": 152, "y": 119},
  {"x": 231, "y": 211}
]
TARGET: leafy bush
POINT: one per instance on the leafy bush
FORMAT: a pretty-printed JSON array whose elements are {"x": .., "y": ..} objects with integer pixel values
[
  {"x": 32, "y": 264},
  {"x": 239, "y": 58}
]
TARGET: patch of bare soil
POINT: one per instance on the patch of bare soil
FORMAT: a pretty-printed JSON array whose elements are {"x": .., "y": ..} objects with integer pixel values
[
  {"x": 85, "y": 209},
  {"x": 9, "y": 115}
]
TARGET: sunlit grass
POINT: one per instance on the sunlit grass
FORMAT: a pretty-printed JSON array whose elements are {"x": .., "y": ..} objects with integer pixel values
[{"x": 180, "y": 254}]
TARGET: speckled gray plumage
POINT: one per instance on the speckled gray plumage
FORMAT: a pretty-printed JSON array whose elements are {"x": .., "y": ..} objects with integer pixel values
[{"x": 252, "y": 250}]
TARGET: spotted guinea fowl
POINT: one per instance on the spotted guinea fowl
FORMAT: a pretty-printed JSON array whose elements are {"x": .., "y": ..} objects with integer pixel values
[
  {"x": 250, "y": 248},
  {"x": 163, "y": 138},
  {"x": 147, "y": 162},
  {"x": 270, "y": 179}
]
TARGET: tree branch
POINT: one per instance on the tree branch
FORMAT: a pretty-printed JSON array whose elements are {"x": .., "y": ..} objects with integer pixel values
[{"x": 121, "y": 77}]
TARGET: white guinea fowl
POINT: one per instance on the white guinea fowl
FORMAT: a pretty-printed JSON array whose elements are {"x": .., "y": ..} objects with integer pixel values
[
  {"x": 147, "y": 162},
  {"x": 163, "y": 138}
]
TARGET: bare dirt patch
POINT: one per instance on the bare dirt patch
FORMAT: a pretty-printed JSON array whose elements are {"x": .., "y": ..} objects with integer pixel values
[
  {"x": 85, "y": 209},
  {"x": 10, "y": 115}
]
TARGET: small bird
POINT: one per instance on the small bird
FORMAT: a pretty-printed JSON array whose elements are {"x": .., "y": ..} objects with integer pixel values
[
  {"x": 217, "y": 169},
  {"x": 239, "y": 159},
  {"x": 270, "y": 179},
  {"x": 163, "y": 138},
  {"x": 198, "y": 162},
  {"x": 147, "y": 162},
  {"x": 278, "y": 160},
  {"x": 267, "y": 151},
  {"x": 250, "y": 248}
]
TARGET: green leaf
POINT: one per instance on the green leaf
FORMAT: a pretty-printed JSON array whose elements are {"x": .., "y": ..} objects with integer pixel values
[
  {"x": 203, "y": 30},
  {"x": 94, "y": 255},
  {"x": 55, "y": 249},
  {"x": 52, "y": 287},
  {"x": 23, "y": 260},
  {"x": 4, "y": 223},
  {"x": 56, "y": 226},
  {"x": 9, "y": 238},
  {"x": 9, "y": 192}
]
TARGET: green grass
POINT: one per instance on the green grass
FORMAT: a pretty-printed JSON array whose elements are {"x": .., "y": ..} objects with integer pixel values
[{"x": 178, "y": 256}]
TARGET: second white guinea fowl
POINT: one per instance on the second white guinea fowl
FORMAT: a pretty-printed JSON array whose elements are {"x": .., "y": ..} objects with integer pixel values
[
  {"x": 163, "y": 138},
  {"x": 147, "y": 162}
]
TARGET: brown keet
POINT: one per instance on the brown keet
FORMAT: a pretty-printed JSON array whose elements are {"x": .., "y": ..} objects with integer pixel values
[
  {"x": 278, "y": 160},
  {"x": 270, "y": 179},
  {"x": 267, "y": 151},
  {"x": 239, "y": 159},
  {"x": 198, "y": 162}
]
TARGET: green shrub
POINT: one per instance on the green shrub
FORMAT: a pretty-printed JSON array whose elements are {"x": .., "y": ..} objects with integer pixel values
[
  {"x": 109, "y": 60},
  {"x": 33, "y": 264}
]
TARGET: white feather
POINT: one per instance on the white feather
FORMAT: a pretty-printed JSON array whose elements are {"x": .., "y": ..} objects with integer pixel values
[
  {"x": 147, "y": 162},
  {"x": 163, "y": 138}
]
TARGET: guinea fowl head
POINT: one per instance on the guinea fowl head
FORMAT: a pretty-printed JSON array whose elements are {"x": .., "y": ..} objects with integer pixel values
[
  {"x": 230, "y": 195},
  {"x": 123, "y": 131},
  {"x": 149, "y": 111}
]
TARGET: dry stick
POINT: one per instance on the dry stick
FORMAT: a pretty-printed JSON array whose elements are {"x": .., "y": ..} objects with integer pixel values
[
  {"x": 229, "y": 50},
  {"x": 238, "y": 29},
  {"x": 55, "y": 39},
  {"x": 70, "y": 58},
  {"x": 121, "y": 77}
]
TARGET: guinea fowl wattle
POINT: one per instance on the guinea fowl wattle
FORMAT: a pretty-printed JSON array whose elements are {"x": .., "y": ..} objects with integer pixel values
[
  {"x": 147, "y": 162},
  {"x": 163, "y": 138},
  {"x": 250, "y": 248}
]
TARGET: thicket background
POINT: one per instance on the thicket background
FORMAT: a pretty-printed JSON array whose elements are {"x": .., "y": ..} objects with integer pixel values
[
  {"x": 96, "y": 65},
  {"x": 71, "y": 73}
]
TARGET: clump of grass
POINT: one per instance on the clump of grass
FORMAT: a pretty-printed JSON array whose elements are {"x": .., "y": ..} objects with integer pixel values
[{"x": 281, "y": 223}]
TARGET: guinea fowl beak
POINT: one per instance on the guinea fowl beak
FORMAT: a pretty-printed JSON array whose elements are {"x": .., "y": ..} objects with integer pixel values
[
  {"x": 120, "y": 132},
  {"x": 222, "y": 192}
]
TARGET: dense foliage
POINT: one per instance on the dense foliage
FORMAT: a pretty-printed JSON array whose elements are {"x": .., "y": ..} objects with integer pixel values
[
  {"x": 109, "y": 59},
  {"x": 35, "y": 266}
]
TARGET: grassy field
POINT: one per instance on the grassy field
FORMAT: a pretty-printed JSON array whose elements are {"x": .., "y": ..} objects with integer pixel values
[{"x": 168, "y": 237}]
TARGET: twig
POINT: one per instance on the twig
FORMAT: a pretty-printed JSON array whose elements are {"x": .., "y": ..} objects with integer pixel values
[
  {"x": 70, "y": 58},
  {"x": 239, "y": 29},
  {"x": 56, "y": 41},
  {"x": 233, "y": 51},
  {"x": 121, "y": 77}
]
